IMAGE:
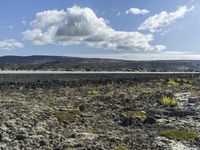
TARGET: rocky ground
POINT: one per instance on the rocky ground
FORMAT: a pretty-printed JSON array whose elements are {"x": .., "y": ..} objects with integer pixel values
[{"x": 151, "y": 114}]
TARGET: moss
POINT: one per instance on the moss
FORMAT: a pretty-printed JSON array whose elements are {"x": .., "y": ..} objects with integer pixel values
[
  {"x": 159, "y": 84},
  {"x": 102, "y": 117},
  {"x": 179, "y": 135},
  {"x": 75, "y": 111},
  {"x": 140, "y": 115},
  {"x": 119, "y": 106},
  {"x": 171, "y": 82},
  {"x": 94, "y": 93},
  {"x": 109, "y": 94},
  {"x": 188, "y": 85},
  {"x": 21, "y": 106},
  {"x": 110, "y": 85},
  {"x": 70, "y": 115},
  {"x": 169, "y": 101},
  {"x": 121, "y": 148}
]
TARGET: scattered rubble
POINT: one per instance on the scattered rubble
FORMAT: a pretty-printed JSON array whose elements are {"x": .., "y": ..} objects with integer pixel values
[{"x": 100, "y": 115}]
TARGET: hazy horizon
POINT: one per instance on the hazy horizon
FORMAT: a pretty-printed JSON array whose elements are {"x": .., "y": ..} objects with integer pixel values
[{"x": 186, "y": 57}]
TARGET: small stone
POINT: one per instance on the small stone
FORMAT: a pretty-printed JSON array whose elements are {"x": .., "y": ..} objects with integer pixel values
[
  {"x": 127, "y": 121},
  {"x": 194, "y": 100},
  {"x": 82, "y": 108},
  {"x": 20, "y": 137},
  {"x": 43, "y": 143},
  {"x": 150, "y": 120},
  {"x": 72, "y": 136},
  {"x": 78, "y": 145}
]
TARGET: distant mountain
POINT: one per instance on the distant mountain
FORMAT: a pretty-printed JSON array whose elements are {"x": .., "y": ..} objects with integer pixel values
[{"x": 93, "y": 64}]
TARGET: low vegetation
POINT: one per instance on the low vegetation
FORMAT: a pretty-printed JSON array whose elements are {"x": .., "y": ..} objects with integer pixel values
[
  {"x": 69, "y": 116},
  {"x": 172, "y": 82},
  {"x": 140, "y": 115},
  {"x": 94, "y": 93},
  {"x": 169, "y": 101},
  {"x": 179, "y": 135},
  {"x": 64, "y": 116},
  {"x": 121, "y": 148}
]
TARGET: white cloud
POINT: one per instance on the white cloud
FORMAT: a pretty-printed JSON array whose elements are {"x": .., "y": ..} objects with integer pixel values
[
  {"x": 119, "y": 13},
  {"x": 163, "y": 19},
  {"x": 10, "y": 44},
  {"x": 38, "y": 37},
  {"x": 137, "y": 11},
  {"x": 81, "y": 26},
  {"x": 48, "y": 18}
]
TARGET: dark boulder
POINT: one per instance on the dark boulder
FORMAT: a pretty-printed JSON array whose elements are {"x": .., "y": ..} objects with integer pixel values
[
  {"x": 150, "y": 120},
  {"x": 194, "y": 99}
]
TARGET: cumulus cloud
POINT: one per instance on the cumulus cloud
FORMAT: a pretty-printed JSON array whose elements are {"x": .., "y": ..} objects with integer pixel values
[
  {"x": 10, "y": 44},
  {"x": 81, "y": 26},
  {"x": 48, "y": 18},
  {"x": 137, "y": 11},
  {"x": 163, "y": 19}
]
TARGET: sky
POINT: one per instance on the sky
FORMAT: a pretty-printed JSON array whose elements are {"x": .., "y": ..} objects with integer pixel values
[{"x": 122, "y": 29}]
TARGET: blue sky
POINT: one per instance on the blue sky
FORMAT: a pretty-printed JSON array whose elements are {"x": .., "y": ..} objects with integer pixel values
[{"x": 124, "y": 29}]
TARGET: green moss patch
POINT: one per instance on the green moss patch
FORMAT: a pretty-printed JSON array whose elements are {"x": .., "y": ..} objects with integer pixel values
[
  {"x": 121, "y": 148},
  {"x": 70, "y": 115},
  {"x": 179, "y": 135},
  {"x": 94, "y": 93}
]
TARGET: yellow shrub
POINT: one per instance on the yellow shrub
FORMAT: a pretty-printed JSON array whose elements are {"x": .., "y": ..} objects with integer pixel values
[
  {"x": 171, "y": 82},
  {"x": 169, "y": 101}
]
